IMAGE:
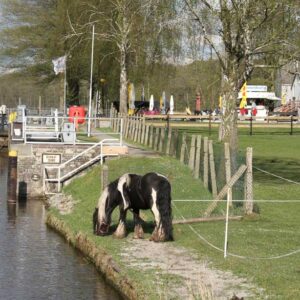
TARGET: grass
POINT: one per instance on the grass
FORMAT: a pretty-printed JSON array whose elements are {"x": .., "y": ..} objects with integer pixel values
[{"x": 274, "y": 232}]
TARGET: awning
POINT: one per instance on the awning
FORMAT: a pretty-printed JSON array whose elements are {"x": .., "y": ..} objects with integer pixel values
[{"x": 261, "y": 95}]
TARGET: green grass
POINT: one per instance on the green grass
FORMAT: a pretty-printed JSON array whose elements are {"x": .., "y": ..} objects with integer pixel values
[{"x": 274, "y": 232}]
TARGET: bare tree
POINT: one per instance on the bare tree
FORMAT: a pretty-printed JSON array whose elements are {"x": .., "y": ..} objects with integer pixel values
[
  {"x": 124, "y": 23},
  {"x": 252, "y": 32}
]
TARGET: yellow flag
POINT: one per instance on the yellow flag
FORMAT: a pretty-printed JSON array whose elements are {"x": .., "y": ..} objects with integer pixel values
[
  {"x": 283, "y": 99},
  {"x": 220, "y": 101},
  {"x": 244, "y": 91}
]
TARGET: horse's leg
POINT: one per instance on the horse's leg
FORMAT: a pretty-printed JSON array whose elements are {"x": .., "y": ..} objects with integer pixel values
[
  {"x": 158, "y": 234},
  {"x": 138, "y": 229},
  {"x": 120, "y": 232}
]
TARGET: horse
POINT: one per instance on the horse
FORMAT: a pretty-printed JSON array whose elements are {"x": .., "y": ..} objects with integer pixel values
[{"x": 135, "y": 192}]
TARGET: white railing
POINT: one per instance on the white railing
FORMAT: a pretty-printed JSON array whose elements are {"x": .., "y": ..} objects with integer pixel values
[
  {"x": 61, "y": 177},
  {"x": 55, "y": 129}
]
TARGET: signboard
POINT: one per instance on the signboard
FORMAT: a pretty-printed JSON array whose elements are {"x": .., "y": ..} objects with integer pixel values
[
  {"x": 51, "y": 158},
  {"x": 257, "y": 88}
]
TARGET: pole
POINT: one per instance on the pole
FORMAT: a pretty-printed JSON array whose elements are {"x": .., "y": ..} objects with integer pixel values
[
  {"x": 251, "y": 119},
  {"x": 291, "y": 132},
  {"x": 226, "y": 224},
  {"x": 91, "y": 84},
  {"x": 12, "y": 177},
  {"x": 65, "y": 88}
]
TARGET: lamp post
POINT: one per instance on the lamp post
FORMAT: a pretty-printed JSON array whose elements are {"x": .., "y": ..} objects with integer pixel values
[{"x": 91, "y": 84}]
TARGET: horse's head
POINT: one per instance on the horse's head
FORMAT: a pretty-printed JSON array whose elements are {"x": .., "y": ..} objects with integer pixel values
[{"x": 108, "y": 201}]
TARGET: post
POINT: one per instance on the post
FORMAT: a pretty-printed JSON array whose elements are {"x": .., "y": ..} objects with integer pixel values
[
  {"x": 40, "y": 105},
  {"x": 251, "y": 119},
  {"x": 104, "y": 177},
  {"x": 291, "y": 132},
  {"x": 146, "y": 139},
  {"x": 162, "y": 139},
  {"x": 151, "y": 136},
  {"x": 226, "y": 225},
  {"x": 168, "y": 147},
  {"x": 198, "y": 156},
  {"x": 183, "y": 146},
  {"x": 192, "y": 153},
  {"x": 248, "y": 204},
  {"x": 143, "y": 130},
  {"x": 91, "y": 83},
  {"x": 209, "y": 124},
  {"x": 155, "y": 146},
  {"x": 212, "y": 169},
  {"x": 175, "y": 142},
  {"x": 228, "y": 169},
  {"x": 205, "y": 165},
  {"x": 12, "y": 177}
]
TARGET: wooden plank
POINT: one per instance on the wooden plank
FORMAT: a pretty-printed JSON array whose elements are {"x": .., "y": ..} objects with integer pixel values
[
  {"x": 212, "y": 169},
  {"x": 224, "y": 190},
  {"x": 198, "y": 157},
  {"x": 248, "y": 204}
]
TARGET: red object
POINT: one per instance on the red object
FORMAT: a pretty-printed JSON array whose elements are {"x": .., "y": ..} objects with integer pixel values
[
  {"x": 77, "y": 113},
  {"x": 198, "y": 103},
  {"x": 254, "y": 112}
]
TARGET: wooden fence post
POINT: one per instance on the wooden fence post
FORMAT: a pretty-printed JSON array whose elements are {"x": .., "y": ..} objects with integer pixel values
[
  {"x": 224, "y": 190},
  {"x": 183, "y": 146},
  {"x": 198, "y": 156},
  {"x": 151, "y": 136},
  {"x": 248, "y": 204},
  {"x": 104, "y": 177},
  {"x": 147, "y": 135},
  {"x": 228, "y": 169},
  {"x": 169, "y": 139},
  {"x": 143, "y": 130},
  {"x": 212, "y": 169},
  {"x": 162, "y": 139},
  {"x": 174, "y": 144},
  {"x": 192, "y": 153},
  {"x": 205, "y": 164},
  {"x": 156, "y": 137}
]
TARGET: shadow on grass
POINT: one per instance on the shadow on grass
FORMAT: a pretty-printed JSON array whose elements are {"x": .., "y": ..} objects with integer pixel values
[{"x": 284, "y": 167}]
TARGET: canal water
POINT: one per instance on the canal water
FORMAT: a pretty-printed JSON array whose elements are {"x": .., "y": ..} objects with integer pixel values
[{"x": 35, "y": 262}]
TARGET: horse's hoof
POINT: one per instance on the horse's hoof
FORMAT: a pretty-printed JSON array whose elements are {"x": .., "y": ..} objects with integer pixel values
[
  {"x": 138, "y": 232},
  {"x": 120, "y": 232}
]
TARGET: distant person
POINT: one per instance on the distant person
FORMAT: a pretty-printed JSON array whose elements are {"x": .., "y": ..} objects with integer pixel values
[
  {"x": 253, "y": 108},
  {"x": 198, "y": 104}
]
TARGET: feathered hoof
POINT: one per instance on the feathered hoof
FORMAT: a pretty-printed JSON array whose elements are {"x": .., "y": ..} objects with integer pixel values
[
  {"x": 158, "y": 236},
  {"x": 138, "y": 232},
  {"x": 120, "y": 232}
]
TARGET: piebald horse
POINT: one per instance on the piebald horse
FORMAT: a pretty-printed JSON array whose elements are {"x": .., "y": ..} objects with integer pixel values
[{"x": 135, "y": 192}]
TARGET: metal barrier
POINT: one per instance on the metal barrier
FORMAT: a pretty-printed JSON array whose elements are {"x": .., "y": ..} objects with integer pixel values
[{"x": 61, "y": 176}]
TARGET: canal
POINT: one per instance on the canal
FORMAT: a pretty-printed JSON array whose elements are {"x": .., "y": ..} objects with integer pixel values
[{"x": 35, "y": 262}]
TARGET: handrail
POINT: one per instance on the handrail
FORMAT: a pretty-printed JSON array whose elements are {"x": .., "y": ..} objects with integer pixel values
[{"x": 59, "y": 168}]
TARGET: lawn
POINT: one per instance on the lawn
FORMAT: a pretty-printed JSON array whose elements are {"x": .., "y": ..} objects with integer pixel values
[{"x": 258, "y": 241}]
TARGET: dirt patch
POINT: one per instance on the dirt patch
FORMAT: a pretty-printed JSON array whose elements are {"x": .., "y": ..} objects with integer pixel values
[
  {"x": 198, "y": 280},
  {"x": 64, "y": 203}
]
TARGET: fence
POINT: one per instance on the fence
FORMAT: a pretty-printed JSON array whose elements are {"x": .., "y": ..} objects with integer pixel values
[{"x": 218, "y": 173}]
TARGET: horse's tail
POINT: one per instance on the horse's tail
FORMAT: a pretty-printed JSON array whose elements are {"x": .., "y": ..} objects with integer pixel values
[
  {"x": 165, "y": 209},
  {"x": 95, "y": 220}
]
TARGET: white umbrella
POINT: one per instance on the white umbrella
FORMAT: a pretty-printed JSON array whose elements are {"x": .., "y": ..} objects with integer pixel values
[
  {"x": 151, "y": 104},
  {"x": 171, "y": 105},
  {"x": 163, "y": 110}
]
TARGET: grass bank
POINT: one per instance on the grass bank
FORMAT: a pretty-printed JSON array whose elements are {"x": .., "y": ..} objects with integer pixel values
[{"x": 260, "y": 242}]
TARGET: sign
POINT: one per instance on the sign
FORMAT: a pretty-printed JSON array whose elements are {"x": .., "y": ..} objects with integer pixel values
[
  {"x": 51, "y": 158},
  {"x": 257, "y": 88}
]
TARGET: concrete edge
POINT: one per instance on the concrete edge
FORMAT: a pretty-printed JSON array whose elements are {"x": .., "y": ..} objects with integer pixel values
[{"x": 98, "y": 256}]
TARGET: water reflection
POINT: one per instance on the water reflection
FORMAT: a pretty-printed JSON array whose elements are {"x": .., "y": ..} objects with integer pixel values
[{"x": 36, "y": 263}]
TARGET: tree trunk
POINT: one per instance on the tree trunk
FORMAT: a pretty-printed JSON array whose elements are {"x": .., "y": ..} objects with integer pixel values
[
  {"x": 123, "y": 83},
  {"x": 228, "y": 128}
]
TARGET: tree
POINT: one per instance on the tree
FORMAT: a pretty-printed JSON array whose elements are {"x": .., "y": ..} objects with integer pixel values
[
  {"x": 128, "y": 25},
  {"x": 253, "y": 33}
]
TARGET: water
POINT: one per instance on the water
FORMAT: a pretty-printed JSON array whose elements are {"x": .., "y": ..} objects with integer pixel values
[{"x": 35, "y": 262}]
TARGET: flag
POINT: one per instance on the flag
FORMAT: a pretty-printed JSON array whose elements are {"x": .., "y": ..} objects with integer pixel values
[
  {"x": 244, "y": 92},
  {"x": 243, "y": 102},
  {"x": 220, "y": 101},
  {"x": 283, "y": 99},
  {"x": 59, "y": 64}
]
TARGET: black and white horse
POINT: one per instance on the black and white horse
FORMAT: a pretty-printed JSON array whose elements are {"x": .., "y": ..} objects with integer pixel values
[{"x": 135, "y": 192}]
